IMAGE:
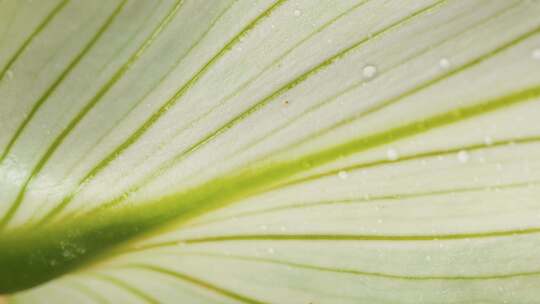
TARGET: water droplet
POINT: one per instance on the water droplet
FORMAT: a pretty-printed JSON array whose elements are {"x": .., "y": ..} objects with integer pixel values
[
  {"x": 369, "y": 71},
  {"x": 428, "y": 258},
  {"x": 343, "y": 174},
  {"x": 488, "y": 140},
  {"x": 444, "y": 63},
  {"x": 68, "y": 254},
  {"x": 379, "y": 221},
  {"x": 9, "y": 74},
  {"x": 463, "y": 156},
  {"x": 392, "y": 154},
  {"x": 271, "y": 250},
  {"x": 297, "y": 12},
  {"x": 536, "y": 54}
]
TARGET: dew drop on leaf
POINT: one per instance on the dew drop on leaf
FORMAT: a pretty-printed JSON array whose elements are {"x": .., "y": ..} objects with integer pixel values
[
  {"x": 463, "y": 156},
  {"x": 297, "y": 13},
  {"x": 444, "y": 63},
  {"x": 536, "y": 54},
  {"x": 488, "y": 140},
  {"x": 369, "y": 71},
  {"x": 343, "y": 174},
  {"x": 392, "y": 154}
]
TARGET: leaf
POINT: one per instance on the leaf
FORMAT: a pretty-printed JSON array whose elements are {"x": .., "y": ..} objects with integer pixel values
[{"x": 257, "y": 151}]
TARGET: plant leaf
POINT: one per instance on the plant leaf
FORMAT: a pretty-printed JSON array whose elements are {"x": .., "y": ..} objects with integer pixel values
[{"x": 257, "y": 151}]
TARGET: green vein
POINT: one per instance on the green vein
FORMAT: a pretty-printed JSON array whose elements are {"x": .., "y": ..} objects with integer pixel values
[
  {"x": 41, "y": 100},
  {"x": 100, "y": 231},
  {"x": 89, "y": 292},
  {"x": 354, "y": 86},
  {"x": 258, "y": 182},
  {"x": 429, "y": 154},
  {"x": 176, "y": 97},
  {"x": 65, "y": 201},
  {"x": 417, "y": 89},
  {"x": 414, "y": 128},
  {"x": 163, "y": 109},
  {"x": 266, "y": 100},
  {"x": 119, "y": 52},
  {"x": 362, "y": 237},
  {"x": 89, "y": 105},
  {"x": 224, "y": 100},
  {"x": 195, "y": 281},
  {"x": 124, "y": 47},
  {"x": 34, "y": 34},
  {"x": 360, "y": 144},
  {"x": 366, "y": 273},
  {"x": 251, "y": 185},
  {"x": 160, "y": 81},
  {"x": 125, "y": 286},
  {"x": 366, "y": 199},
  {"x": 186, "y": 206}
]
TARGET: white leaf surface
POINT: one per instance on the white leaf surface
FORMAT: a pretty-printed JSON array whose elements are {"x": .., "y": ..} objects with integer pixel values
[{"x": 258, "y": 151}]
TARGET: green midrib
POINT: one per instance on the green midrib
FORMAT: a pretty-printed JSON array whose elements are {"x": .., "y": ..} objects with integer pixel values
[{"x": 26, "y": 254}]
